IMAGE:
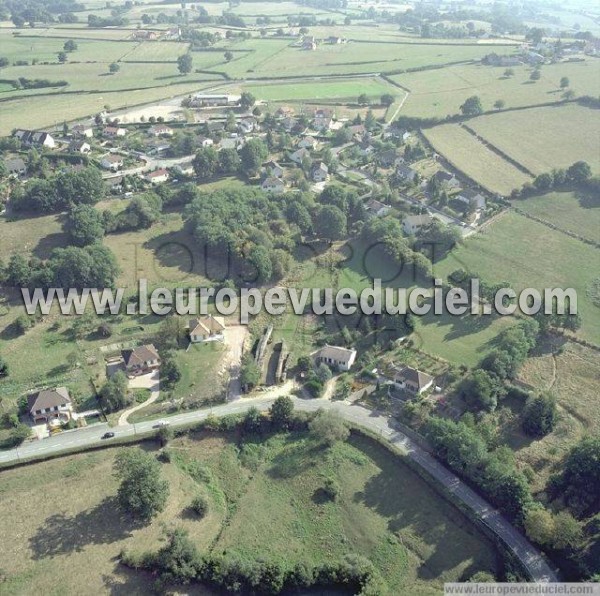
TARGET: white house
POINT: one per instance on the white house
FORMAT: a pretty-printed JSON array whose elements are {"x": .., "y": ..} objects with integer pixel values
[
  {"x": 82, "y": 130},
  {"x": 205, "y": 142},
  {"x": 413, "y": 380},
  {"x": 320, "y": 172},
  {"x": 114, "y": 131},
  {"x": 272, "y": 184},
  {"x": 112, "y": 162},
  {"x": 272, "y": 168},
  {"x": 447, "y": 180},
  {"x": 247, "y": 125},
  {"x": 206, "y": 328},
  {"x": 375, "y": 208},
  {"x": 141, "y": 359},
  {"x": 50, "y": 404},
  {"x": 472, "y": 197},
  {"x": 160, "y": 130},
  {"x": 307, "y": 142},
  {"x": 79, "y": 146},
  {"x": 157, "y": 176},
  {"x": 186, "y": 168},
  {"x": 38, "y": 139},
  {"x": 413, "y": 224},
  {"x": 406, "y": 173},
  {"x": 335, "y": 356},
  {"x": 300, "y": 155}
]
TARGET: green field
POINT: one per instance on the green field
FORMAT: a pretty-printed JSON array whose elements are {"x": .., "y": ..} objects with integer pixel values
[
  {"x": 263, "y": 500},
  {"x": 439, "y": 92},
  {"x": 468, "y": 155},
  {"x": 530, "y": 255},
  {"x": 341, "y": 90},
  {"x": 545, "y": 138},
  {"x": 577, "y": 212}
]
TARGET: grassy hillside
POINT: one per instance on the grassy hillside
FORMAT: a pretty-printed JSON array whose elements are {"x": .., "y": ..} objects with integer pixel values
[{"x": 263, "y": 499}]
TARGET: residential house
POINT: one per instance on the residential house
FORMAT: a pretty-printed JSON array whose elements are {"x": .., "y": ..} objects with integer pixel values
[
  {"x": 358, "y": 132},
  {"x": 337, "y": 357},
  {"x": 50, "y": 404},
  {"x": 215, "y": 127},
  {"x": 114, "y": 185},
  {"x": 141, "y": 359},
  {"x": 247, "y": 125},
  {"x": 160, "y": 130},
  {"x": 309, "y": 43},
  {"x": 232, "y": 143},
  {"x": 114, "y": 131},
  {"x": 447, "y": 180},
  {"x": 79, "y": 146},
  {"x": 272, "y": 168},
  {"x": 272, "y": 184},
  {"x": 186, "y": 168},
  {"x": 320, "y": 172},
  {"x": 406, "y": 173},
  {"x": 284, "y": 112},
  {"x": 82, "y": 130},
  {"x": 289, "y": 124},
  {"x": 206, "y": 328},
  {"x": 15, "y": 166},
  {"x": 31, "y": 138},
  {"x": 471, "y": 197},
  {"x": 323, "y": 119},
  {"x": 112, "y": 161},
  {"x": 307, "y": 142},
  {"x": 299, "y": 156},
  {"x": 158, "y": 147},
  {"x": 413, "y": 380},
  {"x": 143, "y": 34},
  {"x": 157, "y": 176},
  {"x": 205, "y": 142},
  {"x": 375, "y": 208},
  {"x": 413, "y": 224}
]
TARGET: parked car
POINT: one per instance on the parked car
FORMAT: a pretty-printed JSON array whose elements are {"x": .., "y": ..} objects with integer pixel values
[
  {"x": 108, "y": 435},
  {"x": 160, "y": 424}
]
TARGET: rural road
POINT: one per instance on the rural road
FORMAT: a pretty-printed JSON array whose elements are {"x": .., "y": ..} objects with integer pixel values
[{"x": 530, "y": 557}]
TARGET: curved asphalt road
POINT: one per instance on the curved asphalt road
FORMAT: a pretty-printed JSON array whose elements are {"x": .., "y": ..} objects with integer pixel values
[{"x": 79, "y": 439}]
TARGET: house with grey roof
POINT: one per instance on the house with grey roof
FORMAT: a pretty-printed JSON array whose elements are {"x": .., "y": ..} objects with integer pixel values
[
  {"x": 50, "y": 404},
  {"x": 336, "y": 357}
]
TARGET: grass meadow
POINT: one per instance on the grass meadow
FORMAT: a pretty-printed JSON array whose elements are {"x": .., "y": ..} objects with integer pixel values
[
  {"x": 577, "y": 212},
  {"x": 264, "y": 497},
  {"x": 440, "y": 92},
  {"x": 527, "y": 254}
]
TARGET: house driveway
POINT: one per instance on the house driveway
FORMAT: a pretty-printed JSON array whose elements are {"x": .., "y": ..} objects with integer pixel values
[
  {"x": 150, "y": 381},
  {"x": 234, "y": 337}
]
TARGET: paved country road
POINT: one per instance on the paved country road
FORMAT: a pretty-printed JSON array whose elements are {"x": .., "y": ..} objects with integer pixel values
[{"x": 530, "y": 557}]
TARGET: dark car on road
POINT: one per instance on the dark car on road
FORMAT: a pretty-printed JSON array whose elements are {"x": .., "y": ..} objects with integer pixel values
[{"x": 108, "y": 435}]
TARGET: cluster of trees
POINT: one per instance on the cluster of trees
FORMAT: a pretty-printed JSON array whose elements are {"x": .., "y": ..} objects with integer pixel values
[
  {"x": 386, "y": 235},
  {"x": 258, "y": 232},
  {"x": 180, "y": 562},
  {"x": 209, "y": 163},
  {"x": 117, "y": 20},
  {"x": 494, "y": 472},
  {"x": 93, "y": 266},
  {"x": 578, "y": 174},
  {"x": 114, "y": 394},
  {"x": 57, "y": 192},
  {"x": 24, "y": 83},
  {"x": 483, "y": 388},
  {"x": 316, "y": 376},
  {"x": 141, "y": 212}
]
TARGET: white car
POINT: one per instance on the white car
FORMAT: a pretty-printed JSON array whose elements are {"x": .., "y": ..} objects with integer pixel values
[{"x": 160, "y": 424}]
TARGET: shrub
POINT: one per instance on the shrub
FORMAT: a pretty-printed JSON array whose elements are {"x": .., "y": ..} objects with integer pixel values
[{"x": 200, "y": 506}]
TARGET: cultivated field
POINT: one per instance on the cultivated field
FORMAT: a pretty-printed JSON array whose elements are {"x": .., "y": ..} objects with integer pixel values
[
  {"x": 545, "y": 138},
  {"x": 468, "y": 155},
  {"x": 530, "y": 255},
  {"x": 577, "y": 212}
]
